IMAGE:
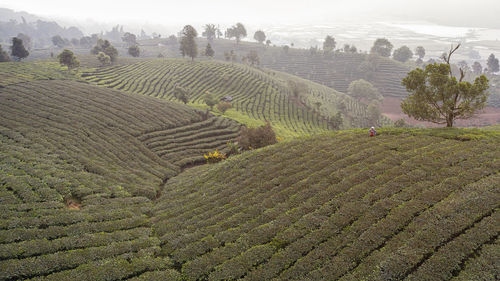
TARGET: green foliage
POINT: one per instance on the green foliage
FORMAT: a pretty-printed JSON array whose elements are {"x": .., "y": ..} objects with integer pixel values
[
  {"x": 105, "y": 47},
  {"x": 210, "y": 100},
  {"x": 477, "y": 68},
  {"x": 188, "y": 45},
  {"x": 103, "y": 58},
  {"x": 60, "y": 42},
  {"x": 259, "y": 36},
  {"x": 438, "y": 97},
  {"x": 209, "y": 52},
  {"x": 215, "y": 157},
  {"x": 493, "y": 65},
  {"x": 253, "y": 138},
  {"x": 4, "y": 56},
  {"x": 181, "y": 94},
  {"x": 18, "y": 51},
  {"x": 374, "y": 113},
  {"x": 130, "y": 39},
  {"x": 134, "y": 51},
  {"x": 420, "y": 52},
  {"x": 382, "y": 47},
  {"x": 364, "y": 90},
  {"x": 224, "y": 106},
  {"x": 403, "y": 54},
  {"x": 209, "y": 31},
  {"x": 237, "y": 31},
  {"x": 329, "y": 44},
  {"x": 68, "y": 59}
]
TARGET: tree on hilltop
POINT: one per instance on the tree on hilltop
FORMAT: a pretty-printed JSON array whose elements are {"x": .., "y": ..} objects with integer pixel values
[
  {"x": 477, "y": 68},
  {"x": 129, "y": 38},
  {"x": 259, "y": 36},
  {"x": 134, "y": 51},
  {"x": 402, "y": 54},
  {"x": 210, "y": 100},
  {"x": 493, "y": 64},
  {"x": 209, "y": 52},
  {"x": 382, "y": 47},
  {"x": 105, "y": 47},
  {"x": 210, "y": 31},
  {"x": 17, "y": 49},
  {"x": 420, "y": 52},
  {"x": 364, "y": 90},
  {"x": 237, "y": 31},
  {"x": 68, "y": 59},
  {"x": 103, "y": 58},
  {"x": 436, "y": 95},
  {"x": 188, "y": 45},
  {"x": 329, "y": 44}
]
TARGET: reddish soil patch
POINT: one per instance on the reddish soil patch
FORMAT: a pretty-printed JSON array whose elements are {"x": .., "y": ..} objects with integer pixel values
[
  {"x": 73, "y": 204},
  {"x": 391, "y": 107}
]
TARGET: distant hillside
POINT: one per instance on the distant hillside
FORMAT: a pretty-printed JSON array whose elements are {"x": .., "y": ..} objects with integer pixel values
[
  {"x": 412, "y": 205},
  {"x": 258, "y": 94}
]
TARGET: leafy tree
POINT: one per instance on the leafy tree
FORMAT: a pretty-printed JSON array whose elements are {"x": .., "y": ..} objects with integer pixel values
[
  {"x": 420, "y": 52},
  {"x": 268, "y": 42},
  {"x": 253, "y": 58},
  {"x": 188, "y": 45},
  {"x": 436, "y": 95},
  {"x": 224, "y": 106},
  {"x": 373, "y": 112},
  {"x": 105, "y": 47},
  {"x": 28, "y": 44},
  {"x": 329, "y": 44},
  {"x": 17, "y": 49},
  {"x": 336, "y": 121},
  {"x": 210, "y": 30},
  {"x": 58, "y": 41},
  {"x": 401, "y": 123},
  {"x": 259, "y": 36},
  {"x": 286, "y": 49},
  {"x": 210, "y": 100},
  {"x": 4, "y": 56},
  {"x": 353, "y": 49},
  {"x": 364, "y": 90},
  {"x": 181, "y": 94},
  {"x": 237, "y": 31},
  {"x": 477, "y": 68},
  {"x": 346, "y": 48},
  {"x": 134, "y": 51},
  {"x": 129, "y": 38},
  {"x": 68, "y": 59},
  {"x": 402, "y": 54},
  {"x": 493, "y": 64},
  {"x": 382, "y": 47},
  {"x": 103, "y": 58},
  {"x": 209, "y": 52},
  {"x": 252, "y": 138}
]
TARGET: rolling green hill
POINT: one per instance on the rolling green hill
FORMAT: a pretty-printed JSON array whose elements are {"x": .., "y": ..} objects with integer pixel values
[
  {"x": 92, "y": 188},
  {"x": 257, "y": 94},
  {"x": 79, "y": 168},
  {"x": 412, "y": 205}
]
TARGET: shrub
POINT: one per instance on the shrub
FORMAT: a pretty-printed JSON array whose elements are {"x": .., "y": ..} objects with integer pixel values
[
  {"x": 251, "y": 138},
  {"x": 215, "y": 157},
  {"x": 223, "y": 106}
]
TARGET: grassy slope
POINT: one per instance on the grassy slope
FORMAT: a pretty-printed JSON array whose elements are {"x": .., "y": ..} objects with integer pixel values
[
  {"x": 66, "y": 141},
  {"x": 258, "y": 94},
  {"x": 414, "y": 204}
]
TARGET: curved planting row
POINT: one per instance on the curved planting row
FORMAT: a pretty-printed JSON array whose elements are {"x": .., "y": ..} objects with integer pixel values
[
  {"x": 349, "y": 207},
  {"x": 256, "y": 93},
  {"x": 186, "y": 145},
  {"x": 77, "y": 180}
]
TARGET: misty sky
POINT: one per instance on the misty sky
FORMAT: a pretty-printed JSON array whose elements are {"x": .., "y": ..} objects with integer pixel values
[{"x": 476, "y": 13}]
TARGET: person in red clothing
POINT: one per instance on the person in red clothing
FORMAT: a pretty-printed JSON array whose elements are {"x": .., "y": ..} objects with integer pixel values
[{"x": 372, "y": 132}]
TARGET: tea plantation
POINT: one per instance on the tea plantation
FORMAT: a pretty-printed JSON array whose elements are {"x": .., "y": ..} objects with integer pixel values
[
  {"x": 257, "y": 94},
  {"x": 405, "y": 205}
]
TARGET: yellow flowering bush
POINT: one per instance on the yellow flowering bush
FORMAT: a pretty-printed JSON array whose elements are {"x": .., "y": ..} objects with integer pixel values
[{"x": 215, "y": 157}]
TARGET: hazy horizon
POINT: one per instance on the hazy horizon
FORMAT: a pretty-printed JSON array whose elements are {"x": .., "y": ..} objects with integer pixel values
[{"x": 263, "y": 13}]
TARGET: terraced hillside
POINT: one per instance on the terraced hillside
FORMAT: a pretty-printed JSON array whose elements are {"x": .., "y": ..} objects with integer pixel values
[
  {"x": 79, "y": 173},
  {"x": 405, "y": 205},
  {"x": 257, "y": 94}
]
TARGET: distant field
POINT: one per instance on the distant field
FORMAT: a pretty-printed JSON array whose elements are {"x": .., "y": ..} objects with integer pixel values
[
  {"x": 405, "y": 205},
  {"x": 257, "y": 94}
]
